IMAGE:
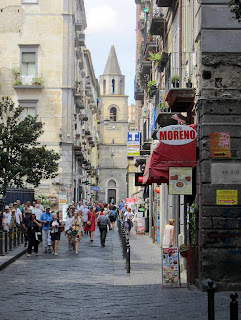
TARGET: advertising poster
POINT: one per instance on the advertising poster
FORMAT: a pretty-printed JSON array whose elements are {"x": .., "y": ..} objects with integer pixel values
[
  {"x": 220, "y": 145},
  {"x": 227, "y": 197},
  {"x": 180, "y": 180},
  {"x": 133, "y": 143},
  {"x": 140, "y": 225},
  {"x": 170, "y": 267}
]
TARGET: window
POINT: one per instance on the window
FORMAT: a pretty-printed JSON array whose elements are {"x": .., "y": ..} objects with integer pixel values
[
  {"x": 113, "y": 86},
  {"x": 29, "y": 106},
  {"x": 112, "y": 114},
  {"x": 28, "y": 62}
]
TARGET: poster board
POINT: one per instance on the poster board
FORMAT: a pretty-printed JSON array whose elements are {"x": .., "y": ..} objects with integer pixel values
[
  {"x": 170, "y": 267},
  {"x": 140, "y": 225},
  {"x": 180, "y": 180}
]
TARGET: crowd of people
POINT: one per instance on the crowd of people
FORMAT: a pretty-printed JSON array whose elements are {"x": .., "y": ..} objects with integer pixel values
[{"x": 42, "y": 224}]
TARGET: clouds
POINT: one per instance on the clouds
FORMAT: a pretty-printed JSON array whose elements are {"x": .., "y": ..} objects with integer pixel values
[{"x": 101, "y": 18}]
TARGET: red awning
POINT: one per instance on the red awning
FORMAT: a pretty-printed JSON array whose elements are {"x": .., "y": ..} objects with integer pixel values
[{"x": 165, "y": 156}]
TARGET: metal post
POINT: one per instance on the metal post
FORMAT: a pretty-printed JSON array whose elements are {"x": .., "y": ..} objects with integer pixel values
[
  {"x": 18, "y": 236},
  {"x": 124, "y": 245},
  {"x": 10, "y": 234},
  {"x": 1, "y": 242},
  {"x": 6, "y": 241},
  {"x": 233, "y": 306},
  {"x": 128, "y": 259},
  {"x": 14, "y": 237},
  {"x": 211, "y": 309}
]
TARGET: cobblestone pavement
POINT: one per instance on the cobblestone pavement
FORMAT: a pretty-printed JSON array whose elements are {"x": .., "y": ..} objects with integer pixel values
[{"x": 94, "y": 285}]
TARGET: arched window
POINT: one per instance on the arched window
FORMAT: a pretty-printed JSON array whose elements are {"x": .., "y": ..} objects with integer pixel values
[
  {"x": 111, "y": 184},
  {"x": 113, "y": 85},
  {"x": 113, "y": 114}
]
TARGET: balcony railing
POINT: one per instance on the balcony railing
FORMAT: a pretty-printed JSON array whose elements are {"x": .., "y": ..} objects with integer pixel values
[
  {"x": 157, "y": 23},
  {"x": 34, "y": 81}
]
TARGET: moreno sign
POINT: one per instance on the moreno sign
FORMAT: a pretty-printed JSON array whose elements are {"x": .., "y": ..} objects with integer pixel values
[{"x": 176, "y": 134}]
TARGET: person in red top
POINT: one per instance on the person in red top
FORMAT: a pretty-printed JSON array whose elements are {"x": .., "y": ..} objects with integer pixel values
[{"x": 90, "y": 224}]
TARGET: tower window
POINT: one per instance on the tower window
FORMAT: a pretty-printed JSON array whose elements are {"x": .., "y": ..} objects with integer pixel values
[
  {"x": 112, "y": 114},
  {"x": 113, "y": 85},
  {"x": 104, "y": 86}
]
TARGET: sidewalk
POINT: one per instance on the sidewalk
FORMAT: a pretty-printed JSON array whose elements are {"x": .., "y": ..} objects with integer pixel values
[{"x": 11, "y": 256}]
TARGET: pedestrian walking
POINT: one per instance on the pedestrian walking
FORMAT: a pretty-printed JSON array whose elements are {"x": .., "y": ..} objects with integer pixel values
[
  {"x": 37, "y": 211},
  {"x": 128, "y": 217},
  {"x": 90, "y": 224},
  {"x": 26, "y": 220},
  {"x": 54, "y": 228},
  {"x": 102, "y": 222},
  {"x": 33, "y": 231},
  {"x": 18, "y": 214},
  {"x": 85, "y": 216},
  {"x": 45, "y": 219},
  {"x": 67, "y": 228},
  {"x": 76, "y": 228},
  {"x": 112, "y": 217},
  {"x": 168, "y": 234},
  {"x": 7, "y": 219}
]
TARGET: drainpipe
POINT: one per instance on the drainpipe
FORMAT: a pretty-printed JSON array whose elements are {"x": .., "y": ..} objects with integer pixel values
[
  {"x": 180, "y": 40},
  {"x": 200, "y": 239}
]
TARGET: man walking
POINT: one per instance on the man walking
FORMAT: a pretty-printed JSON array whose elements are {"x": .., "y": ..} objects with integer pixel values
[
  {"x": 45, "y": 219},
  {"x": 102, "y": 223}
]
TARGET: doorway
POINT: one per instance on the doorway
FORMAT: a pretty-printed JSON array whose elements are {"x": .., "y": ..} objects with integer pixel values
[{"x": 111, "y": 196}]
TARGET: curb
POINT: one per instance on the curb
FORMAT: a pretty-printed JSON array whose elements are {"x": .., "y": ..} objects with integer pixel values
[{"x": 12, "y": 259}]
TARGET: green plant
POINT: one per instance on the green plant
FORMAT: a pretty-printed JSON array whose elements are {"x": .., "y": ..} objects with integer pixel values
[
  {"x": 188, "y": 75},
  {"x": 163, "y": 105},
  {"x": 45, "y": 202},
  {"x": 17, "y": 83},
  {"x": 15, "y": 72},
  {"x": 154, "y": 56},
  {"x": 150, "y": 84},
  {"x": 37, "y": 81},
  {"x": 235, "y": 6},
  {"x": 183, "y": 247},
  {"x": 175, "y": 79}
]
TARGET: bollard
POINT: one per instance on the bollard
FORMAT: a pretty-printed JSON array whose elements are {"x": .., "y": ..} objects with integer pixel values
[
  {"x": 1, "y": 242},
  {"x": 18, "y": 236},
  {"x": 128, "y": 259},
  {"x": 10, "y": 247},
  {"x": 6, "y": 241},
  {"x": 211, "y": 310},
  {"x": 14, "y": 237},
  {"x": 21, "y": 234},
  {"x": 233, "y": 306},
  {"x": 124, "y": 245}
]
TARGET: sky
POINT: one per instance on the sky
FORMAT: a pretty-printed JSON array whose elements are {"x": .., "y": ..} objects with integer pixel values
[{"x": 112, "y": 22}]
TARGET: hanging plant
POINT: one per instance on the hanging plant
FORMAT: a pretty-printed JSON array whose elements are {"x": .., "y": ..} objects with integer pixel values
[
  {"x": 235, "y": 6},
  {"x": 156, "y": 57}
]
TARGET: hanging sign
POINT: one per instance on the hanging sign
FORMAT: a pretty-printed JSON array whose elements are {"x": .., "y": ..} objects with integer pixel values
[
  {"x": 133, "y": 143},
  {"x": 176, "y": 135},
  {"x": 220, "y": 145},
  {"x": 170, "y": 267},
  {"x": 180, "y": 180},
  {"x": 227, "y": 197}
]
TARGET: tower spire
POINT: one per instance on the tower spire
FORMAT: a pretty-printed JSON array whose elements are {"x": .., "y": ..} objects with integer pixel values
[{"x": 112, "y": 66}]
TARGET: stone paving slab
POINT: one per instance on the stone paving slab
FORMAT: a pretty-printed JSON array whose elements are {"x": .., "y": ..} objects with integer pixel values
[{"x": 94, "y": 285}]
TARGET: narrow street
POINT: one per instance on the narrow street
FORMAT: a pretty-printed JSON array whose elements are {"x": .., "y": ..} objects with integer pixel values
[{"x": 94, "y": 285}]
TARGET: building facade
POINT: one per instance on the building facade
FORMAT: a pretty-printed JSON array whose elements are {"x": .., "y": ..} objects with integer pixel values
[
  {"x": 46, "y": 69},
  {"x": 188, "y": 61},
  {"x": 113, "y": 130}
]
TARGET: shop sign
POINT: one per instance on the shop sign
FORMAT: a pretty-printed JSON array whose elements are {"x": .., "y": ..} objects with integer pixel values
[
  {"x": 138, "y": 179},
  {"x": 95, "y": 188},
  {"x": 220, "y": 145},
  {"x": 133, "y": 143},
  {"x": 180, "y": 180},
  {"x": 176, "y": 135},
  {"x": 62, "y": 199},
  {"x": 170, "y": 267},
  {"x": 227, "y": 197},
  {"x": 130, "y": 200}
]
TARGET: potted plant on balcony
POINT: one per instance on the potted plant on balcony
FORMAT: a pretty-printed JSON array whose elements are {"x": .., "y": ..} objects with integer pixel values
[
  {"x": 37, "y": 81},
  {"x": 183, "y": 250},
  {"x": 175, "y": 81},
  {"x": 153, "y": 56},
  {"x": 17, "y": 83},
  {"x": 151, "y": 88},
  {"x": 149, "y": 37},
  {"x": 188, "y": 78}
]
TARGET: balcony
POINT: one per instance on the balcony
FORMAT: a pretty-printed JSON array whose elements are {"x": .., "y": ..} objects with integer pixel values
[
  {"x": 146, "y": 145},
  {"x": 158, "y": 24},
  {"x": 35, "y": 81},
  {"x": 181, "y": 99},
  {"x": 78, "y": 150},
  {"x": 164, "y": 116},
  {"x": 164, "y": 3},
  {"x": 145, "y": 66},
  {"x": 139, "y": 161},
  {"x": 79, "y": 104},
  {"x": 139, "y": 92}
]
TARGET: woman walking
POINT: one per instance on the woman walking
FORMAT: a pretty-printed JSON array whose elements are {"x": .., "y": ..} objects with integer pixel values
[
  {"x": 54, "y": 228},
  {"x": 90, "y": 224},
  {"x": 33, "y": 228},
  {"x": 76, "y": 229},
  {"x": 112, "y": 217},
  {"x": 128, "y": 220},
  {"x": 67, "y": 229}
]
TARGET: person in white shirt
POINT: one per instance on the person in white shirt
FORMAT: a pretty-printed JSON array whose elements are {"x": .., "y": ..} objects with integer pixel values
[
  {"x": 128, "y": 216},
  {"x": 18, "y": 213},
  {"x": 7, "y": 218},
  {"x": 67, "y": 230},
  {"x": 41, "y": 207},
  {"x": 85, "y": 216},
  {"x": 37, "y": 211}
]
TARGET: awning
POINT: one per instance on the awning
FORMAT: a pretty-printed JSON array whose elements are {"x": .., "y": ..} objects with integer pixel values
[{"x": 165, "y": 156}]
